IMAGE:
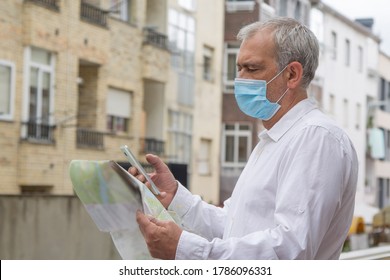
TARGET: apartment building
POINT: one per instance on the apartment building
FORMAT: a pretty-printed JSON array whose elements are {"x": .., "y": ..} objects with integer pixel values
[
  {"x": 239, "y": 132},
  {"x": 378, "y": 138},
  {"x": 80, "y": 78},
  {"x": 346, "y": 83}
]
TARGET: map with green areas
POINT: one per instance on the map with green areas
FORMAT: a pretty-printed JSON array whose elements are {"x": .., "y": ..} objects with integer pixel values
[{"x": 112, "y": 197}]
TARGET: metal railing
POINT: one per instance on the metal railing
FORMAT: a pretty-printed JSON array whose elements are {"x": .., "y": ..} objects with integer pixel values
[
  {"x": 154, "y": 146},
  {"x": 374, "y": 253},
  {"x": 88, "y": 138},
  {"x": 93, "y": 14},
  {"x": 155, "y": 38},
  {"x": 39, "y": 132},
  {"x": 51, "y": 4}
]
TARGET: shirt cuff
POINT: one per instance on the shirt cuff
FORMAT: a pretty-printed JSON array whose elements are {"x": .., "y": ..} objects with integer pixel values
[
  {"x": 191, "y": 247},
  {"x": 182, "y": 201}
]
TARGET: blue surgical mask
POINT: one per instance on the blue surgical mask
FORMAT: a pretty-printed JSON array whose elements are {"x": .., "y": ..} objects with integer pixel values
[{"x": 251, "y": 97}]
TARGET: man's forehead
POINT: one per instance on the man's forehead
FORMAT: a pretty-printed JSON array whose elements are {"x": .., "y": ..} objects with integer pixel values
[{"x": 259, "y": 45}]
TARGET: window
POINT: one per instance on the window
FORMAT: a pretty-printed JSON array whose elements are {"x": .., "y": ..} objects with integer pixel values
[
  {"x": 204, "y": 166},
  {"x": 117, "y": 124},
  {"x": 346, "y": 114},
  {"x": 180, "y": 137},
  {"x": 283, "y": 8},
  {"x": 40, "y": 99},
  {"x": 382, "y": 92},
  {"x": 230, "y": 68},
  {"x": 240, "y": 5},
  {"x": 236, "y": 144},
  {"x": 358, "y": 114},
  {"x": 7, "y": 84},
  {"x": 266, "y": 11},
  {"x": 347, "y": 52},
  {"x": 121, "y": 9},
  {"x": 208, "y": 54},
  {"x": 181, "y": 34},
  {"x": 387, "y": 136},
  {"x": 188, "y": 4},
  {"x": 297, "y": 11},
  {"x": 118, "y": 110},
  {"x": 334, "y": 45},
  {"x": 383, "y": 192},
  {"x": 332, "y": 104},
  {"x": 360, "y": 59}
]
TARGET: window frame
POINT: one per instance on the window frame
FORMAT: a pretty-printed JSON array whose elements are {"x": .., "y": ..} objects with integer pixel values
[
  {"x": 360, "y": 59},
  {"x": 115, "y": 120},
  {"x": 113, "y": 124},
  {"x": 122, "y": 10},
  {"x": 10, "y": 115},
  {"x": 208, "y": 64},
  {"x": 204, "y": 159},
  {"x": 51, "y": 69},
  {"x": 283, "y": 7},
  {"x": 334, "y": 45},
  {"x": 180, "y": 132},
  {"x": 182, "y": 42},
  {"x": 347, "y": 52},
  {"x": 228, "y": 85},
  {"x": 236, "y": 133}
]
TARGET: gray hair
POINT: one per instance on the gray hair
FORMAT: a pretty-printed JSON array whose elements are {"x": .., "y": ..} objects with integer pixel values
[{"x": 293, "y": 42}]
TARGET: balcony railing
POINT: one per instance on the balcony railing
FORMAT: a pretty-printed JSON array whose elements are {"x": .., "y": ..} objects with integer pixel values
[
  {"x": 93, "y": 14},
  {"x": 155, "y": 38},
  {"x": 153, "y": 146},
  {"x": 38, "y": 132},
  {"x": 88, "y": 138},
  {"x": 51, "y": 4}
]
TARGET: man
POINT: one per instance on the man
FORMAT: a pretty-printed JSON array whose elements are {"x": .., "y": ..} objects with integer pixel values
[{"x": 295, "y": 196}]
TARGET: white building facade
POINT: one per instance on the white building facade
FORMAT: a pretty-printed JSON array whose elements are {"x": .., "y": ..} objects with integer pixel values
[
  {"x": 347, "y": 79},
  {"x": 378, "y": 155}
]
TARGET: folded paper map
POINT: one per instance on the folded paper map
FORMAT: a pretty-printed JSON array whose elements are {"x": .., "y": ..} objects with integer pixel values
[{"x": 111, "y": 197}]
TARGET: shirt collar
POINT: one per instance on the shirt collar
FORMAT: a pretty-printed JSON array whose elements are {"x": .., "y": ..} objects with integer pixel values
[{"x": 288, "y": 120}]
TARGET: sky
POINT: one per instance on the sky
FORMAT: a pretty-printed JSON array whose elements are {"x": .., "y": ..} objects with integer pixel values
[{"x": 377, "y": 9}]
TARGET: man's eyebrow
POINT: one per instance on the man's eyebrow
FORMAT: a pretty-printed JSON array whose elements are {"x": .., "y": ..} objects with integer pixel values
[{"x": 250, "y": 65}]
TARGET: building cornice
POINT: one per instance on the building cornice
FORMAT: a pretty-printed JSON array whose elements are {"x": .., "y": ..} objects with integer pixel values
[{"x": 355, "y": 25}]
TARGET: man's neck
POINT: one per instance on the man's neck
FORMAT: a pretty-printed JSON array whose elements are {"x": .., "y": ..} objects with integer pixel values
[{"x": 285, "y": 107}]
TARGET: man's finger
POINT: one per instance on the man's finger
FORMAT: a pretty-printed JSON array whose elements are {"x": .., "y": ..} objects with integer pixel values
[
  {"x": 157, "y": 163},
  {"x": 142, "y": 220},
  {"x": 133, "y": 171},
  {"x": 141, "y": 178},
  {"x": 158, "y": 222}
]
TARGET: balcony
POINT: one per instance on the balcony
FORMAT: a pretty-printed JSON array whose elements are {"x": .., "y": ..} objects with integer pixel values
[
  {"x": 238, "y": 6},
  {"x": 155, "y": 38},
  {"x": 94, "y": 15},
  {"x": 88, "y": 138},
  {"x": 50, "y": 4},
  {"x": 37, "y": 132},
  {"x": 152, "y": 146}
]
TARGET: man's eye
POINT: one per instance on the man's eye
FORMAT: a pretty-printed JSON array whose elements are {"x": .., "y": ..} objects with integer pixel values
[{"x": 252, "y": 69}]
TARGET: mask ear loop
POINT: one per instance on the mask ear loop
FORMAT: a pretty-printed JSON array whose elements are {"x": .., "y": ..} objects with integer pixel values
[
  {"x": 282, "y": 95},
  {"x": 277, "y": 75}
]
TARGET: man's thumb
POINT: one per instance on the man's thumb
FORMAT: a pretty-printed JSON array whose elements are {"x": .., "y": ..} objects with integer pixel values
[{"x": 157, "y": 163}]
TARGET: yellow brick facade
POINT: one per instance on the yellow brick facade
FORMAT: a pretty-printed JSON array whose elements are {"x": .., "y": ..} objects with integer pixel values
[{"x": 90, "y": 59}]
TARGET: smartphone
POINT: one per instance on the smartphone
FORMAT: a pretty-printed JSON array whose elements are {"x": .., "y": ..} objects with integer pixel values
[{"x": 134, "y": 162}]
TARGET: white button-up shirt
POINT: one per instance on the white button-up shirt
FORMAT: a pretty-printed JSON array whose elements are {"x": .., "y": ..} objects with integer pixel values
[{"x": 293, "y": 200}]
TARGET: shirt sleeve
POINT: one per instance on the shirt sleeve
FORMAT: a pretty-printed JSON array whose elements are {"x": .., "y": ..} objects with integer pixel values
[
  {"x": 198, "y": 216},
  {"x": 311, "y": 179}
]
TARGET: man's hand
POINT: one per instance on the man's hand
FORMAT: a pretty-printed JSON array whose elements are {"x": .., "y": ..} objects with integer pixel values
[
  {"x": 162, "y": 237},
  {"x": 162, "y": 177}
]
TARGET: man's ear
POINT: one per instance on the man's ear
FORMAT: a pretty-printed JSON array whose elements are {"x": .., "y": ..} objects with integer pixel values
[{"x": 294, "y": 74}]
